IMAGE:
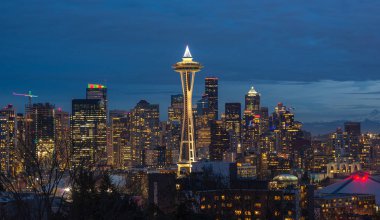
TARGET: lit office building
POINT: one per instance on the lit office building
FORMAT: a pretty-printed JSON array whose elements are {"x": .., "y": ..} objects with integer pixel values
[
  {"x": 202, "y": 125},
  {"x": 89, "y": 131},
  {"x": 8, "y": 156},
  {"x": 232, "y": 124},
  {"x": 42, "y": 128},
  {"x": 97, "y": 91},
  {"x": 219, "y": 141},
  {"x": 120, "y": 152},
  {"x": 175, "y": 109},
  {"x": 353, "y": 132},
  {"x": 144, "y": 130},
  {"x": 211, "y": 90}
]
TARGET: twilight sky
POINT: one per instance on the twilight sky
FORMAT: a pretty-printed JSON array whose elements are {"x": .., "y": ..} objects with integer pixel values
[{"x": 321, "y": 57}]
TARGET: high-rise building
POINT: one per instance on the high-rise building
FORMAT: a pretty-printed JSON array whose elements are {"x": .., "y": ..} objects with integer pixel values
[
  {"x": 42, "y": 129},
  {"x": 144, "y": 130},
  {"x": 219, "y": 140},
  {"x": 98, "y": 91},
  {"x": 8, "y": 140},
  {"x": 252, "y": 101},
  {"x": 353, "y": 132},
  {"x": 203, "y": 106},
  {"x": 202, "y": 125},
  {"x": 232, "y": 123},
  {"x": 62, "y": 126},
  {"x": 89, "y": 131},
  {"x": 211, "y": 90},
  {"x": 62, "y": 136},
  {"x": 175, "y": 109},
  {"x": 120, "y": 154},
  {"x": 187, "y": 69}
]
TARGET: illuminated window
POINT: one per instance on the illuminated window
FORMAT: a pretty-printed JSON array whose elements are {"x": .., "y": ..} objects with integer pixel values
[
  {"x": 257, "y": 212},
  {"x": 277, "y": 198},
  {"x": 258, "y": 205},
  {"x": 223, "y": 197},
  {"x": 237, "y": 212},
  {"x": 229, "y": 205},
  {"x": 216, "y": 198},
  {"x": 276, "y": 213},
  {"x": 203, "y": 207},
  {"x": 203, "y": 199},
  {"x": 247, "y": 213}
]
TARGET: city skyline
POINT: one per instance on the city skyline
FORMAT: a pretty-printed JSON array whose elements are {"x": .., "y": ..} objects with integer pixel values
[{"x": 300, "y": 44}]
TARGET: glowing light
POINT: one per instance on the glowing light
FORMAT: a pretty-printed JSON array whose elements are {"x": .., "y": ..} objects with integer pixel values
[
  {"x": 187, "y": 53},
  {"x": 96, "y": 86}
]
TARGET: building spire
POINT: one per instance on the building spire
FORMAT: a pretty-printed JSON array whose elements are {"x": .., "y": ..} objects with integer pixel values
[
  {"x": 252, "y": 92},
  {"x": 187, "y": 53}
]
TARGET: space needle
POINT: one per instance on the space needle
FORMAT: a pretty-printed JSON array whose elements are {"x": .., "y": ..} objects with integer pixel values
[{"x": 187, "y": 69}]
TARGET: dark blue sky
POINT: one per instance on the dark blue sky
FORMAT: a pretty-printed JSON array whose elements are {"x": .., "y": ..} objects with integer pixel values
[{"x": 328, "y": 49}]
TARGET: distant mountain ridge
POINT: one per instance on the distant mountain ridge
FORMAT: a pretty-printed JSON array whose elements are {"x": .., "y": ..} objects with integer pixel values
[
  {"x": 321, "y": 128},
  {"x": 369, "y": 123}
]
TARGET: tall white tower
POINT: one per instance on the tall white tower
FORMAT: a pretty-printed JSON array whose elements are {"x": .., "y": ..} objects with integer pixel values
[{"x": 187, "y": 69}]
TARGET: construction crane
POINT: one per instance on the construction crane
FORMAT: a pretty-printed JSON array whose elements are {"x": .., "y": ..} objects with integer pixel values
[{"x": 29, "y": 95}]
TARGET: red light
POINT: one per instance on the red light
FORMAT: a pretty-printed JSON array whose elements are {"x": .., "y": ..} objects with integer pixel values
[
  {"x": 356, "y": 177},
  {"x": 257, "y": 116},
  {"x": 364, "y": 178}
]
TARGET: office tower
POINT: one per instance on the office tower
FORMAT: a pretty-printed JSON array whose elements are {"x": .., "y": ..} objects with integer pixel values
[
  {"x": 202, "y": 125},
  {"x": 89, "y": 131},
  {"x": 264, "y": 119},
  {"x": 8, "y": 140},
  {"x": 232, "y": 124},
  {"x": 211, "y": 90},
  {"x": 219, "y": 140},
  {"x": 62, "y": 126},
  {"x": 42, "y": 129},
  {"x": 251, "y": 121},
  {"x": 187, "y": 69},
  {"x": 337, "y": 143},
  {"x": 203, "y": 106},
  {"x": 144, "y": 131},
  {"x": 98, "y": 91},
  {"x": 120, "y": 153},
  {"x": 353, "y": 132},
  {"x": 252, "y": 101},
  {"x": 62, "y": 136},
  {"x": 175, "y": 109}
]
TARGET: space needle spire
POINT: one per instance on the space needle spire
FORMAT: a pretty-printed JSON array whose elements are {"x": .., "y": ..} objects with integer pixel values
[{"x": 187, "y": 69}]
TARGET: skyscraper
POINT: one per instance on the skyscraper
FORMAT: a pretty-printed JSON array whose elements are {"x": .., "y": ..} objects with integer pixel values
[
  {"x": 187, "y": 69},
  {"x": 219, "y": 140},
  {"x": 232, "y": 123},
  {"x": 89, "y": 131},
  {"x": 144, "y": 130},
  {"x": 353, "y": 132},
  {"x": 175, "y": 109},
  {"x": 8, "y": 140},
  {"x": 211, "y": 90},
  {"x": 98, "y": 91},
  {"x": 42, "y": 129},
  {"x": 120, "y": 154},
  {"x": 252, "y": 101},
  {"x": 203, "y": 130},
  {"x": 62, "y": 135}
]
